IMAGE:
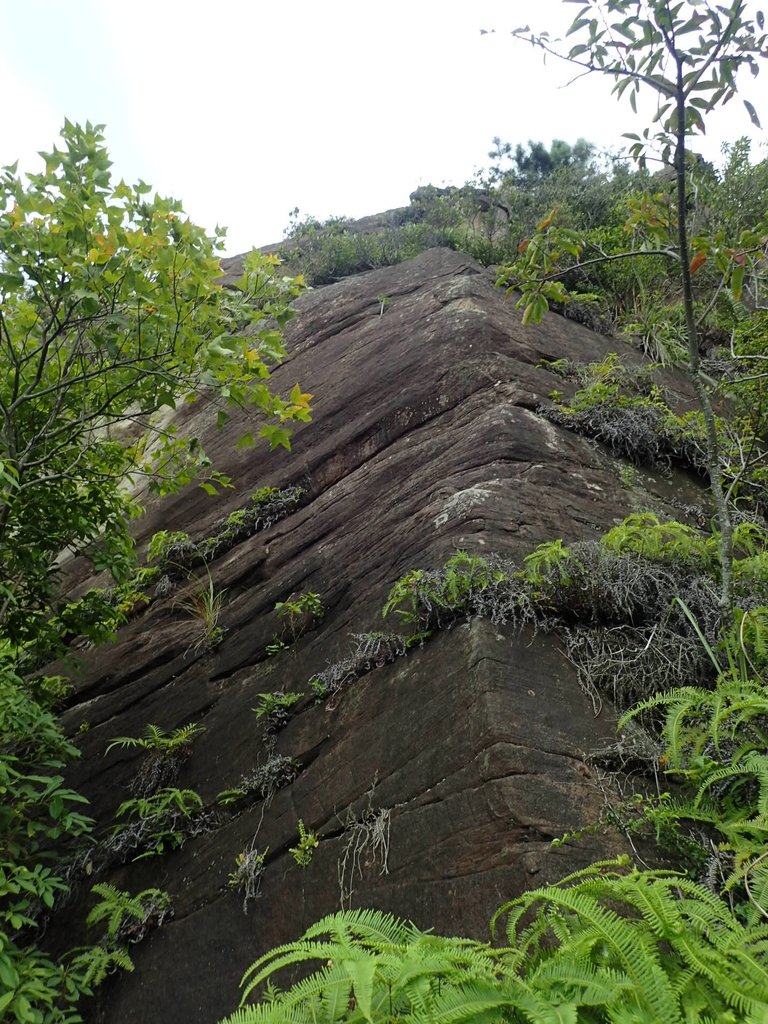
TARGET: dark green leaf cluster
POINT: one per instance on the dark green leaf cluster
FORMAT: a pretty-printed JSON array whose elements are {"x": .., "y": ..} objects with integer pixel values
[
  {"x": 111, "y": 310},
  {"x": 41, "y": 821}
]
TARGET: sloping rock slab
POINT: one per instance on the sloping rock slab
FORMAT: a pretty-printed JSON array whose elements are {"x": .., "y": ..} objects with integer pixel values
[
  {"x": 426, "y": 438},
  {"x": 473, "y": 749}
]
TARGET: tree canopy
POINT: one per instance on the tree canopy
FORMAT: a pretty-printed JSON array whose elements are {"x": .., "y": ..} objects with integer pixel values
[{"x": 111, "y": 309}]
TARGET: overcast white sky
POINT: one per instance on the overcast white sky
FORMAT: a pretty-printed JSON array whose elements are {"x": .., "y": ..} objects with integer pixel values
[{"x": 249, "y": 108}]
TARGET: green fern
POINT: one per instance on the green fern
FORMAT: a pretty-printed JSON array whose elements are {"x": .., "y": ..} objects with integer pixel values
[
  {"x": 608, "y": 944},
  {"x": 749, "y": 540},
  {"x": 659, "y": 932},
  {"x": 126, "y": 914},
  {"x": 89, "y": 967},
  {"x": 156, "y": 823},
  {"x": 748, "y": 634},
  {"x": 155, "y": 738},
  {"x": 423, "y": 598},
  {"x": 644, "y": 534},
  {"x": 716, "y": 745},
  {"x": 303, "y": 852},
  {"x": 548, "y": 559}
]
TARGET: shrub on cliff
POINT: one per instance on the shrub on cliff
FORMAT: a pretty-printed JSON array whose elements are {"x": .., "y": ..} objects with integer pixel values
[
  {"x": 687, "y": 57},
  {"x": 111, "y": 312}
]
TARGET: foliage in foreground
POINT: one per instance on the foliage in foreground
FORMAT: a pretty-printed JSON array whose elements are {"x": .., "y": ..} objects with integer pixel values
[{"x": 607, "y": 944}]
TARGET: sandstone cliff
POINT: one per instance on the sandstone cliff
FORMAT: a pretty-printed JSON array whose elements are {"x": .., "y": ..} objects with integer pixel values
[{"x": 465, "y": 757}]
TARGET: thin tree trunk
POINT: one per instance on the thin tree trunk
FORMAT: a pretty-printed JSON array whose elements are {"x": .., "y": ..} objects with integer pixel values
[{"x": 713, "y": 446}]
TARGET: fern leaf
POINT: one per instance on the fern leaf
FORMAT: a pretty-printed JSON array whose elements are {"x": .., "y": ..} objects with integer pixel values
[
  {"x": 299, "y": 954},
  {"x": 481, "y": 1002},
  {"x": 361, "y": 972}
]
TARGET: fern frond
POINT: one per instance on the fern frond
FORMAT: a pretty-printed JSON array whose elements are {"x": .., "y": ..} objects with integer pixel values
[
  {"x": 269, "y": 1013},
  {"x": 329, "y": 987},
  {"x": 372, "y": 926},
  {"x": 294, "y": 953},
  {"x": 681, "y": 703},
  {"x": 92, "y": 964},
  {"x": 753, "y": 764},
  {"x": 484, "y": 1003},
  {"x": 630, "y": 945},
  {"x": 578, "y": 978},
  {"x": 125, "y": 743}
]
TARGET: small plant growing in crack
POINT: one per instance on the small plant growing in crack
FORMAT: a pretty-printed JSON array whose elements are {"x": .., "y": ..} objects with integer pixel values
[
  {"x": 369, "y": 651},
  {"x": 264, "y": 781},
  {"x": 128, "y": 917},
  {"x": 158, "y": 823},
  {"x": 331, "y": 682},
  {"x": 249, "y": 870},
  {"x": 366, "y": 844},
  {"x": 383, "y": 301},
  {"x": 168, "y": 546},
  {"x": 266, "y": 506},
  {"x": 204, "y": 604},
  {"x": 375, "y": 649},
  {"x": 275, "y": 708},
  {"x": 423, "y": 600},
  {"x": 298, "y": 614},
  {"x": 166, "y": 753},
  {"x": 308, "y": 843}
]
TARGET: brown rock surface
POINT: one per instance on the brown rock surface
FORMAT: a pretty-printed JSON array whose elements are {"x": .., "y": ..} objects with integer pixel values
[{"x": 425, "y": 439}]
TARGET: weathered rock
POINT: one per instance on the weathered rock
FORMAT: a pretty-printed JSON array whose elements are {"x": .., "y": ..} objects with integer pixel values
[{"x": 425, "y": 439}]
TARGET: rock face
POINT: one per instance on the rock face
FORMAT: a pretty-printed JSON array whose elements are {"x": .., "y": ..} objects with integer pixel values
[{"x": 436, "y": 782}]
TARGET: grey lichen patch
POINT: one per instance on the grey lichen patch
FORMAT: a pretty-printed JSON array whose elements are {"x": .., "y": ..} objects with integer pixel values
[
  {"x": 462, "y": 502},
  {"x": 549, "y": 433},
  {"x": 465, "y": 306}
]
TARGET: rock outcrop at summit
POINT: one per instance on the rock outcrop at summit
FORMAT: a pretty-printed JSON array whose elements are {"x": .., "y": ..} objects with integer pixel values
[{"x": 468, "y": 754}]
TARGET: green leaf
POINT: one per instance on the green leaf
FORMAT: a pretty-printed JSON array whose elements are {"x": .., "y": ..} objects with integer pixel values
[
  {"x": 361, "y": 973},
  {"x": 24, "y": 1010},
  {"x": 276, "y": 436},
  {"x": 752, "y": 113},
  {"x": 737, "y": 282},
  {"x": 10, "y": 282},
  {"x": 8, "y": 974}
]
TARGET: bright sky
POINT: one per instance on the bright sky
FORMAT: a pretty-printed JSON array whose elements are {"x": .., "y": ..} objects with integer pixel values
[{"x": 247, "y": 109}]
